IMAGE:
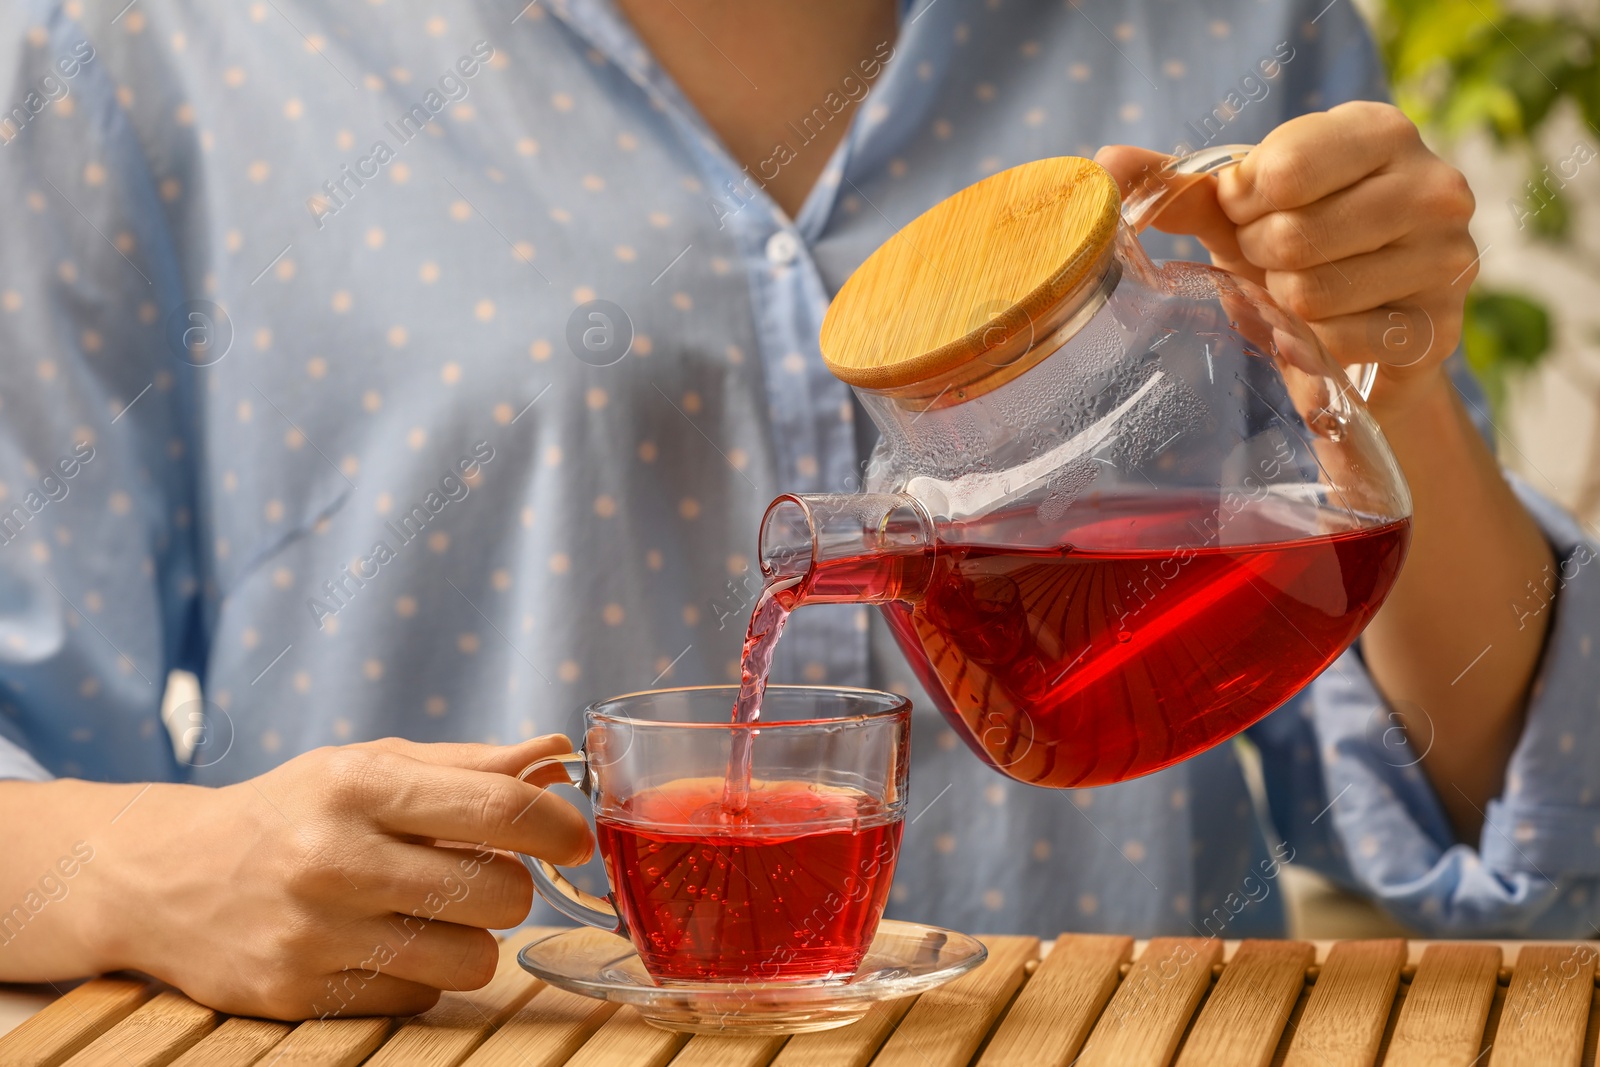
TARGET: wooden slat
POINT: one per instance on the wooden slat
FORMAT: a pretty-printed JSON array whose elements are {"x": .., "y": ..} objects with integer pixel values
[
  {"x": 1547, "y": 1008},
  {"x": 1345, "y": 1014},
  {"x": 1452, "y": 1012},
  {"x": 626, "y": 1040},
  {"x": 1395, "y": 1012},
  {"x": 545, "y": 1031},
  {"x": 946, "y": 1025},
  {"x": 1281, "y": 1053},
  {"x": 156, "y": 1034},
  {"x": 19, "y": 1003},
  {"x": 1244, "y": 1016},
  {"x": 1491, "y": 1027},
  {"x": 71, "y": 1022},
  {"x": 1592, "y": 1038},
  {"x": 236, "y": 1043},
  {"x": 448, "y": 1032},
  {"x": 1055, "y": 1011},
  {"x": 1441, "y": 1023},
  {"x": 849, "y": 1046},
  {"x": 1151, "y": 1008},
  {"x": 705, "y": 1050},
  {"x": 330, "y": 1042}
]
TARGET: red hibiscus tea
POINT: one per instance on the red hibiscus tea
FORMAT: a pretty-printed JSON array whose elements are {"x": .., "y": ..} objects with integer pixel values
[
  {"x": 784, "y": 882},
  {"x": 1074, "y": 667},
  {"x": 788, "y": 885},
  {"x": 1142, "y": 635}
]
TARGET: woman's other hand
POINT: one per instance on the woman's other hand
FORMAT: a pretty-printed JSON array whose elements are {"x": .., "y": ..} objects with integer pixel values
[{"x": 325, "y": 887}]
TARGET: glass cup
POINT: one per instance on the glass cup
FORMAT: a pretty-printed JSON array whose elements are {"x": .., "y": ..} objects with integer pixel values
[{"x": 784, "y": 880}]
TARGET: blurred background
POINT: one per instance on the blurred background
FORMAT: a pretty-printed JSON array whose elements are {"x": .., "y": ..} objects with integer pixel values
[{"x": 1510, "y": 92}]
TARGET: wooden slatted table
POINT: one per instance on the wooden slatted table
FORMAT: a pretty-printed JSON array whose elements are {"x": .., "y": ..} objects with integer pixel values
[{"x": 1083, "y": 1000}]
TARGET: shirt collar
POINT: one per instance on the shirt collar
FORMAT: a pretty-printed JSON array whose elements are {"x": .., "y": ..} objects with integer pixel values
[{"x": 603, "y": 27}]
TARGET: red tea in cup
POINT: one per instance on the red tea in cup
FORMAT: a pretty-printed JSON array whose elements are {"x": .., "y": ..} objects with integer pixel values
[
  {"x": 791, "y": 886},
  {"x": 775, "y": 871}
]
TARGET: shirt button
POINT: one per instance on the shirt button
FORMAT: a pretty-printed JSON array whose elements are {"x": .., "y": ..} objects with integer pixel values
[{"x": 783, "y": 248}]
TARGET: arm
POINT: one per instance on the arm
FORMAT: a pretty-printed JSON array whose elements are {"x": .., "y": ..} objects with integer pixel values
[
  {"x": 1450, "y": 655},
  {"x": 318, "y": 889},
  {"x": 44, "y": 932},
  {"x": 1355, "y": 222},
  {"x": 1352, "y": 796},
  {"x": 1349, "y": 220}
]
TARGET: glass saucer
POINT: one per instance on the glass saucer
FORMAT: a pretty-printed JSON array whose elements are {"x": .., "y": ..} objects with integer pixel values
[{"x": 905, "y": 958}]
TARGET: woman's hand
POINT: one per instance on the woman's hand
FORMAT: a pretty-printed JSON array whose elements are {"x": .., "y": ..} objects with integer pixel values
[
  {"x": 323, "y": 888},
  {"x": 1349, "y": 220}
]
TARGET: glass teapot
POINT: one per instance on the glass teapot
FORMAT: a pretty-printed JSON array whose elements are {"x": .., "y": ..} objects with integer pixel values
[{"x": 1118, "y": 511}]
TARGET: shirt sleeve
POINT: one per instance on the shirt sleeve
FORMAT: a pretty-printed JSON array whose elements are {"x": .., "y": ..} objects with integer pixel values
[
  {"x": 17, "y": 763},
  {"x": 1334, "y": 60},
  {"x": 98, "y": 583},
  {"x": 1348, "y": 791}
]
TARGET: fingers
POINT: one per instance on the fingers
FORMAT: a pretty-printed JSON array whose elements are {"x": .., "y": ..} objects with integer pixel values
[
  {"x": 404, "y": 963},
  {"x": 434, "y": 953},
  {"x": 1361, "y": 283},
  {"x": 1192, "y": 208},
  {"x": 463, "y": 886},
  {"x": 1309, "y": 157},
  {"x": 359, "y": 992},
  {"x": 1350, "y": 222},
  {"x": 1404, "y": 339},
  {"x": 419, "y": 951},
  {"x": 1128, "y": 164},
  {"x": 412, "y": 798},
  {"x": 1193, "y": 211},
  {"x": 344, "y": 994},
  {"x": 500, "y": 759}
]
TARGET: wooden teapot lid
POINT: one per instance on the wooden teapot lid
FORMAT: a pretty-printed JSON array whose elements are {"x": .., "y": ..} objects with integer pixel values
[{"x": 955, "y": 298}]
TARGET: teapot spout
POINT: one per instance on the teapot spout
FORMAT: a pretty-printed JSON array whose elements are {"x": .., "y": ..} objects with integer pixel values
[{"x": 841, "y": 548}]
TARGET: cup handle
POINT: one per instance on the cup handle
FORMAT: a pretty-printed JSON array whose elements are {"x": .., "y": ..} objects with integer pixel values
[
  {"x": 554, "y": 886},
  {"x": 1155, "y": 193}
]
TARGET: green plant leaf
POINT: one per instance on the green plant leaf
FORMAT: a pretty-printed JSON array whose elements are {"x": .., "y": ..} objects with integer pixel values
[
  {"x": 1479, "y": 103},
  {"x": 1461, "y": 67},
  {"x": 1505, "y": 335},
  {"x": 1553, "y": 222},
  {"x": 1468, "y": 65}
]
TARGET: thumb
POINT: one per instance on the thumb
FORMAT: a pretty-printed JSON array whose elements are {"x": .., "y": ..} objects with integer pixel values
[
  {"x": 1128, "y": 164},
  {"x": 1192, "y": 210}
]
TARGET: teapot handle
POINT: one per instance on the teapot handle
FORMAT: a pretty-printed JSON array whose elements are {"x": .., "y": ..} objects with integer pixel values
[{"x": 1157, "y": 189}]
